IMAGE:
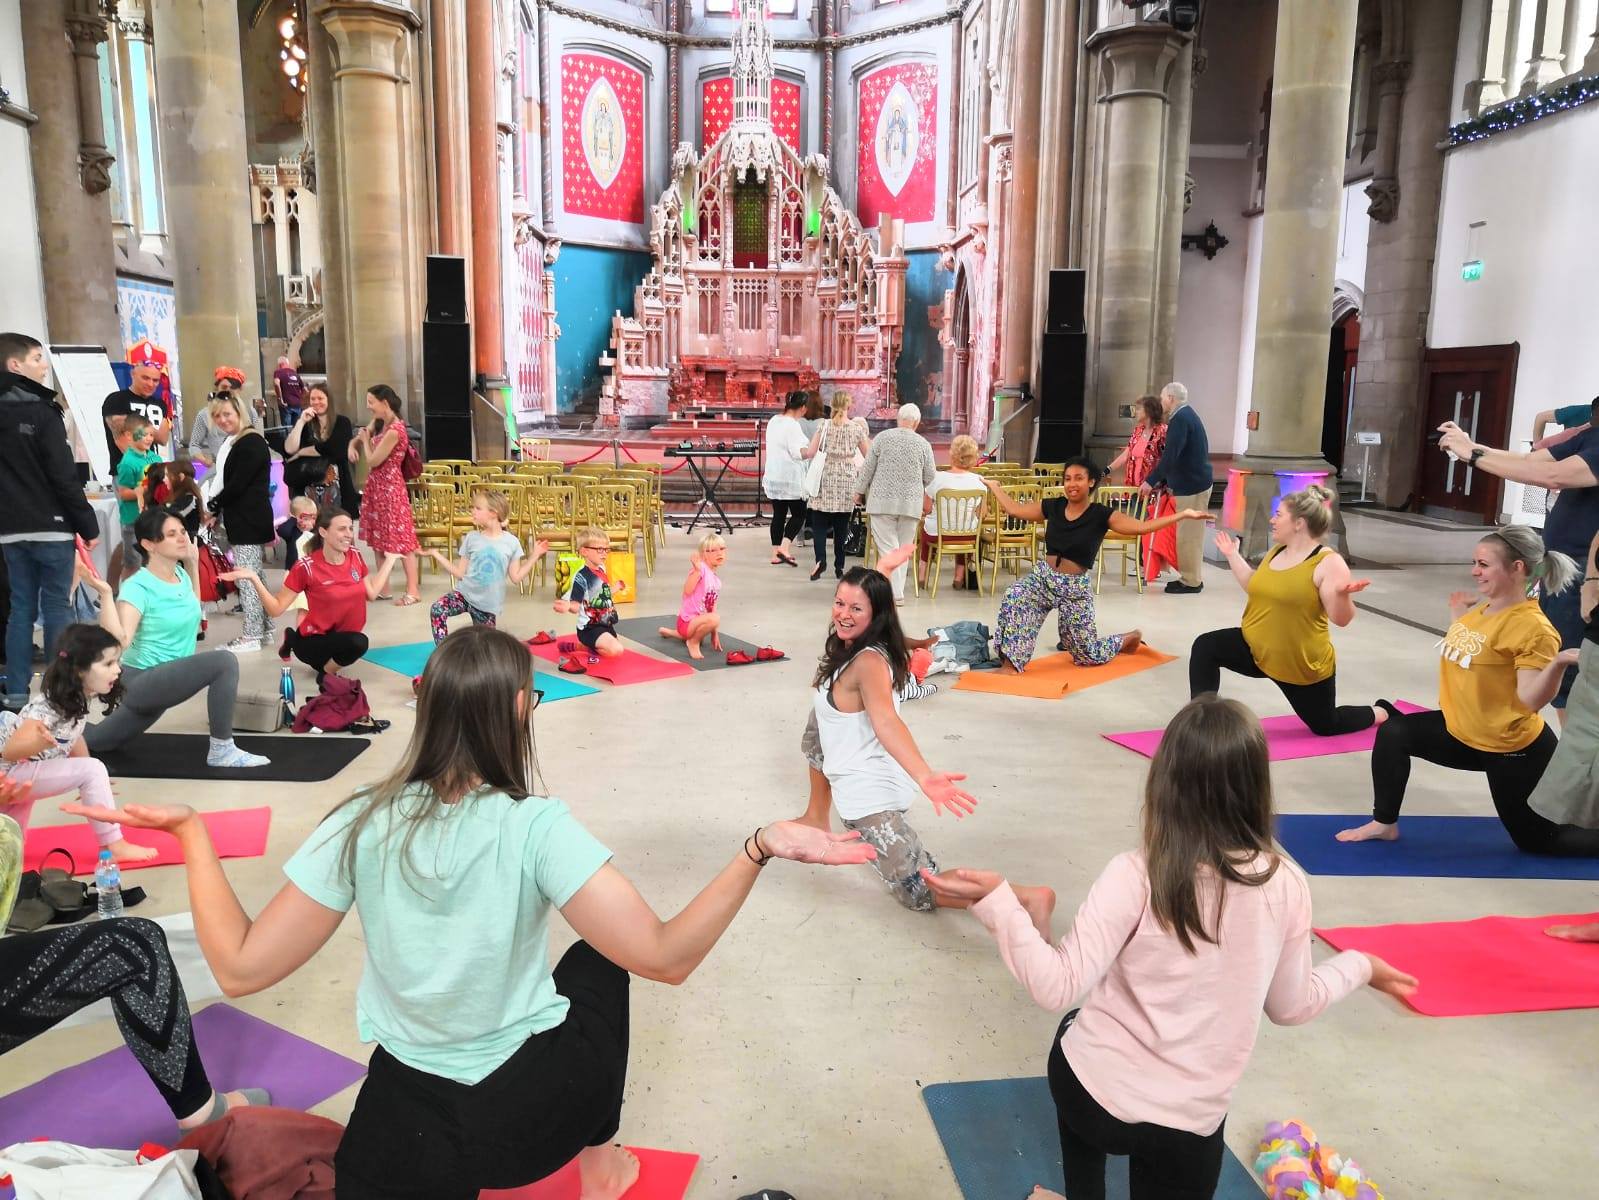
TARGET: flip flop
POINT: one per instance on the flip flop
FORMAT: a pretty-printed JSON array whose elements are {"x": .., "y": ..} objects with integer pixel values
[
  {"x": 541, "y": 638},
  {"x": 570, "y": 666},
  {"x": 789, "y": 559},
  {"x": 407, "y": 600},
  {"x": 738, "y": 658},
  {"x": 767, "y": 654}
]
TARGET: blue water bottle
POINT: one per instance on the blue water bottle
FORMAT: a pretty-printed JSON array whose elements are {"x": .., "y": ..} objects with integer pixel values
[
  {"x": 108, "y": 883},
  {"x": 286, "y": 693}
]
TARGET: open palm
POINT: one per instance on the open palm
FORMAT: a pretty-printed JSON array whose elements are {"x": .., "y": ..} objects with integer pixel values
[
  {"x": 1350, "y": 586},
  {"x": 939, "y": 787},
  {"x": 165, "y": 817},
  {"x": 804, "y": 843}
]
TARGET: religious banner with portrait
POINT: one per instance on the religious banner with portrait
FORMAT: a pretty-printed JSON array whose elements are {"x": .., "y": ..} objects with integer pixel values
[
  {"x": 602, "y": 143},
  {"x": 716, "y": 110},
  {"x": 897, "y": 138}
]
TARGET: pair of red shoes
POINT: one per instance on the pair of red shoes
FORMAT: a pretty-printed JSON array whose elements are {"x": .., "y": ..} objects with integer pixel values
[{"x": 765, "y": 654}]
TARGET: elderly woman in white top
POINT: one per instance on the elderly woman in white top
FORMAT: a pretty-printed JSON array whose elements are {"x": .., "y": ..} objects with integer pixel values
[
  {"x": 892, "y": 483},
  {"x": 787, "y": 448}
]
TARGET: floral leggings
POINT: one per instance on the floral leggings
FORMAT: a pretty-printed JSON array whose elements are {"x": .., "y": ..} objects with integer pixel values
[
  {"x": 1029, "y": 601},
  {"x": 453, "y": 604}
]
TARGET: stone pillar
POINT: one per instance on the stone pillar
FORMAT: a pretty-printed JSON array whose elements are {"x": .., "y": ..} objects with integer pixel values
[
  {"x": 206, "y": 176},
  {"x": 1590, "y": 65},
  {"x": 1021, "y": 208},
  {"x": 451, "y": 165},
  {"x": 1498, "y": 55},
  {"x": 1169, "y": 249},
  {"x": 482, "y": 118},
  {"x": 1128, "y": 194},
  {"x": 1548, "y": 47},
  {"x": 1056, "y": 155},
  {"x": 373, "y": 189},
  {"x": 70, "y": 171},
  {"x": 1383, "y": 190},
  {"x": 829, "y": 69}
]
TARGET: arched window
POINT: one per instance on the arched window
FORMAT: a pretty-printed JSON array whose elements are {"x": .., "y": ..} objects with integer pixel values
[{"x": 710, "y": 223}]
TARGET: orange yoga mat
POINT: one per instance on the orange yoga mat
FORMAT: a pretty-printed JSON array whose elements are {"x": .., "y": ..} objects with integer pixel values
[
  {"x": 1053, "y": 675},
  {"x": 663, "y": 1175}
]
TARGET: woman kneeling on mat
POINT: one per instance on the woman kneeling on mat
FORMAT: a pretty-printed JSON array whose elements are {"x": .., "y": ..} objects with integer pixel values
[
  {"x": 156, "y": 617},
  {"x": 1075, "y": 525},
  {"x": 1177, "y": 949},
  {"x": 1500, "y": 663},
  {"x": 1297, "y": 588},
  {"x": 333, "y": 578},
  {"x": 491, "y": 1071}
]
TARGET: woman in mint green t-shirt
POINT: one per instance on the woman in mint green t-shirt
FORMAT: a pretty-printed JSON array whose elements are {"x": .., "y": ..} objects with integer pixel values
[
  {"x": 491, "y": 1070},
  {"x": 156, "y": 617}
]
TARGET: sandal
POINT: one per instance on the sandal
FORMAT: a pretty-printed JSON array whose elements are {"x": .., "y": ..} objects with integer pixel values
[
  {"x": 541, "y": 638},
  {"x": 570, "y": 666},
  {"x": 789, "y": 559},
  {"x": 407, "y": 600},
  {"x": 368, "y": 725},
  {"x": 738, "y": 658},
  {"x": 767, "y": 654}
]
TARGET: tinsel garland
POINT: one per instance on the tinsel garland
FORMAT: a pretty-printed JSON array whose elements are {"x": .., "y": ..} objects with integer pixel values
[{"x": 1516, "y": 113}]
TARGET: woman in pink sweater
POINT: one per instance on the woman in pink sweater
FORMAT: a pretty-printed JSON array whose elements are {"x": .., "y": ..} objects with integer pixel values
[{"x": 1177, "y": 949}]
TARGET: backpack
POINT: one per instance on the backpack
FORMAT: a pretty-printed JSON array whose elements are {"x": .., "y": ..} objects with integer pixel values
[
  {"x": 411, "y": 464},
  {"x": 339, "y": 704}
]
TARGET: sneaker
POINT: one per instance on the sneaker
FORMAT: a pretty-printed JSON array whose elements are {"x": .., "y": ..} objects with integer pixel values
[
  {"x": 1178, "y": 588},
  {"x": 232, "y": 755},
  {"x": 243, "y": 645},
  {"x": 918, "y": 691}
]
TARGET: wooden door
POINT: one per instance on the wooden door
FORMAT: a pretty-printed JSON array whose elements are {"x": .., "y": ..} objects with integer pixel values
[{"x": 1471, "y": 386}]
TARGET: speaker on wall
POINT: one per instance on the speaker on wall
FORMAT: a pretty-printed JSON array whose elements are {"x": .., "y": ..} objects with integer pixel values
[
  {"x": 446, "y": 368},
  {"x": 1058, "y": 441},
  {"x": 446, "y": 295},
  {"x": 1061, "y": 371},
  {"x": 1066, "y": 291},
  {"x": 445, "y": 435}
]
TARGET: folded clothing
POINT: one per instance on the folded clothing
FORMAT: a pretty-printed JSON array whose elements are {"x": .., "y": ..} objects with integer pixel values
[{"x": 270, "y": 1153}]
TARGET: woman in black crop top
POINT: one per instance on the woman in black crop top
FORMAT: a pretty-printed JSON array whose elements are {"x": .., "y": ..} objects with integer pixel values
[{"x": 1074, "y": 527}]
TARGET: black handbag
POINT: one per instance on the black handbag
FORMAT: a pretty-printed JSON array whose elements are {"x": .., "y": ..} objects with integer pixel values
[{"x": 855, "y": 536}]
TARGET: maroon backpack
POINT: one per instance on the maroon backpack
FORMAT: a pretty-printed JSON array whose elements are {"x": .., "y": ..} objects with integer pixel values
[{"x": 339, "y": 705}]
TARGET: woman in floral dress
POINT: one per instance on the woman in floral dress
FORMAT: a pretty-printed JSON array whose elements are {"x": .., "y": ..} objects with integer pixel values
[
  {"x": 386, "y": 523},
  {"x": 1143, "y": 451},
  {"x": 839, "y": 439}
]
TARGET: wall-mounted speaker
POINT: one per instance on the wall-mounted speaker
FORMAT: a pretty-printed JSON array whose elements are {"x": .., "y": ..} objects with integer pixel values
[
  {"x": 1062, "y": 368},
  {"x": 446, "y": 284},
  {"x": 447, "y": 436},
  {"x": 447, "y": 368},
  {"x": 1058, "y": 440},
  {"x": 1067, "y": 288}
]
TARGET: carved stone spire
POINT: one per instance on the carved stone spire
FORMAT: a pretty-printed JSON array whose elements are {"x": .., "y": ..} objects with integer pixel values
[{"x": 751, "y": 140}]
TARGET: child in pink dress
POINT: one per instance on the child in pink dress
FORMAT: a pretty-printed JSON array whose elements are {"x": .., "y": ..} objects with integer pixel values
[{"x": 697, "y": 617}]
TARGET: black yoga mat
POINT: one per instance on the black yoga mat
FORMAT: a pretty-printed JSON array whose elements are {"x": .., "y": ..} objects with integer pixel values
[
  {"x": 296, "y": 757},
  {"x": 646, "y": 632}
]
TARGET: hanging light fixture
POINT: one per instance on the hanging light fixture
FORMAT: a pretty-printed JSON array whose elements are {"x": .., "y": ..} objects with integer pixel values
[{"x": 292, "y": 57}]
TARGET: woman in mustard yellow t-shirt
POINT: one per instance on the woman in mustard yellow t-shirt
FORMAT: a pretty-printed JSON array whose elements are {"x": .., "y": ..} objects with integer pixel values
[
  {"x": 1298, "y": 587},
  {"x": 1500, "y": 663}
]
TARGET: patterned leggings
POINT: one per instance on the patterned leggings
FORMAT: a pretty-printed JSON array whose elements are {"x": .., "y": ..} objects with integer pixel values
[
  {"x": 453, "y": 604},
  {"x": 248, "y": 558},
  {"x": 1028, "y": 602},
  {"x": 47, "y": 976}
]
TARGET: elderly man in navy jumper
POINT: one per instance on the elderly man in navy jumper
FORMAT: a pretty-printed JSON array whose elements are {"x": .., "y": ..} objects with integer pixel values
[{"x": 1184, "y": 470}]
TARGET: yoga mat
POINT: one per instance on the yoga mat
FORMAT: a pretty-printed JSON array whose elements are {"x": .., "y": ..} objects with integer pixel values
[
  {"x": 1286, "y": 738},
  {"x": 236, "y": 833},
  {"x": 1490, "y": 965},
  {"x": 647, "y": 631},
  {"x": 1053, "y": 675},
  {"x": 1428, "y": 848},
  {"x": 1001, "y": 1139},
  {"x": 663, "y": 1175},
  {"x": 556, "y": 686},
  {"x": 411, "y": 658},
  {"x": 296, "y": 757},
  {"x": 629, "y": 667},
  {"x": 238, "y": 1050},
  {"x": 198, "y": 982}
]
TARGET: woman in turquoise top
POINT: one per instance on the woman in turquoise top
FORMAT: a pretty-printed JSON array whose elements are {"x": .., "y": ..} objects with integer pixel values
[
  {"x": 156, "y": 617},
  {"x": 491, "y": 1070}
]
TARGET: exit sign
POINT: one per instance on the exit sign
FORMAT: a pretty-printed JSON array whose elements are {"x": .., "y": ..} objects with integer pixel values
[{"x": 1471, "y": 271}]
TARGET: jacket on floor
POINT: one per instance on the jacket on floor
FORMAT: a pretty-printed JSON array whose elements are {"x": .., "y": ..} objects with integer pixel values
[{"x": 39, "y": 488}]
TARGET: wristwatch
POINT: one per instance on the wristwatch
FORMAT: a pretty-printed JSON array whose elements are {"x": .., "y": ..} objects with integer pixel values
[{"x": 1476, "y": 453}]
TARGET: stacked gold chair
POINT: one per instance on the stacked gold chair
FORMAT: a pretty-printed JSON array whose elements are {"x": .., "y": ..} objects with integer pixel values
[
  {"x": 540, "y": 468},
  {"x": 555, "y": 515},
  {"x": 958, "y": 515},
  {"x": 591, "y": 469},
  {"x": 610, "y": 507},
  {"x": 449, "y": 464},
  {"x": 1139, "y": 508},
  {"x": 431, "y": 507},
  {"x": 643, "y": 518},
  {"x": 1004, "y": 538}
]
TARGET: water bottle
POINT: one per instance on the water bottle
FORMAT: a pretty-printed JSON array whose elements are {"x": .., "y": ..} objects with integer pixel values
[
  {"x": 286, "y": 693},
  {"x": 108, "y": 882}
]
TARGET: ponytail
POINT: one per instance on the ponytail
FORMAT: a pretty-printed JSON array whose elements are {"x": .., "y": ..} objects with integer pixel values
[{"x": 1550, "y": 569}]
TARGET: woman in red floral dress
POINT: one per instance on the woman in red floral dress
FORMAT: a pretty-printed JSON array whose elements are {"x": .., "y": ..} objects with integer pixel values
[
  {"x": 386, "y": 523},
  {"x": 1143, "y": 451}
]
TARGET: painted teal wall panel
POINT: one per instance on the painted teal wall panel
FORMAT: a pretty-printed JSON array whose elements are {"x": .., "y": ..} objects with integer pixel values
[
  {"x": 591, "y": 283},
  {"x": 921, "y": 358}
]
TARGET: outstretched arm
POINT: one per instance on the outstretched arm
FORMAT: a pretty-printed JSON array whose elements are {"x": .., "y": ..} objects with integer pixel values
[
  {"x": 523, "y": 566},
  {"x": 1022, "y": 512},
  {"x": 1236, "y": 562},
  {"x": 1121, "y": 523},
  {"x": 873, "y": 685},
  {"x": 275, "y": 606},
  {"x": 377, "y": 583},
  {"x": 1337, "y": 589}
]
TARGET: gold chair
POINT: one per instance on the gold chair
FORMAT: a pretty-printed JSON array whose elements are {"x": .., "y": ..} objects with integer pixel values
[
  {"x": 643, "y": 517},
  {"x": 1005, "y": 538},
  {"x": 1139, "y": 508},
  {"x": 591, "y": 468},
  {"x": 657, "y": 508},
  {"x": 610, "y": 507},
  {"x": 1057, "y": 469},
  {"x": 958, "y": 516},
  {"x": 553, "y": 513},
  {"x": 430, "y": 513},
  {"x": 449, "y": 464},
  {"x": 503, "y": 466},
  {"x": 541, "y": 467},
  {"x": 533, "y": 448}
]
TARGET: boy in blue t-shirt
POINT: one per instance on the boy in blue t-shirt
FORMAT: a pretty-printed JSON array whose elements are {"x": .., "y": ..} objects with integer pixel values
[{"x": 589, "y": 596}]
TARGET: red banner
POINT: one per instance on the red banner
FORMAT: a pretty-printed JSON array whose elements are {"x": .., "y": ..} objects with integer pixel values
[
  {"x": 602, "y": 143},
  {"x": 716, "y": 110},
  {"x": 897, "y": 138}
]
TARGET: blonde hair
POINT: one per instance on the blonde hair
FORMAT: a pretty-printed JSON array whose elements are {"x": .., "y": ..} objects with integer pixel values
[
  {"x": 246, "y": 418},
  {"x": 1312, "y": 505},
  {"x": 712, "y": 541},
  {"x": 592, "y": 534},
  {"x": 841, "y": 403},
  {"x": 302, "y": 504},
  {"x": 1554, "y": 571},
  {"x": 496, "y": 503},
  {"x": 963, "y": 452}
]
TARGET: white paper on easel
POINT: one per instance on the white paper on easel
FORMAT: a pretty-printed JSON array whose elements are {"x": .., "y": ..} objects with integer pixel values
[{"x": 84, "y": 378}]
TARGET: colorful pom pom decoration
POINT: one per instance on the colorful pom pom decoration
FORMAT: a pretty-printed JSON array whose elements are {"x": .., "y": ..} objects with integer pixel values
[{"x": 1295, "y": 1166}]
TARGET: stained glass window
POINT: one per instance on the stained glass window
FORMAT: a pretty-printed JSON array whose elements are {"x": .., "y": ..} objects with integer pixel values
[{"x": 749, "y": 223}]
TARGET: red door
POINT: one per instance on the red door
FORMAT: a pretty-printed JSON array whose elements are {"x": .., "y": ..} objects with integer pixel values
[{"x": 1471, "y": 386}]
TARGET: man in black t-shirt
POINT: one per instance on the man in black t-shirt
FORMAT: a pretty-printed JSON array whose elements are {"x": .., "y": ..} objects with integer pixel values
[{"x": 141, "y": 398}]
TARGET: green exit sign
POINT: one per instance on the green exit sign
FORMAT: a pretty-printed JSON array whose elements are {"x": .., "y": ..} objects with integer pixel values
[{"x": 1472, "y": 271}]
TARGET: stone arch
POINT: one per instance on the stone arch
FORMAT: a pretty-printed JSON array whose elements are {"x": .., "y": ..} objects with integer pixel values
[
  {"x": 308, "y": 325},
  {"x": 1347, "y": 298}
]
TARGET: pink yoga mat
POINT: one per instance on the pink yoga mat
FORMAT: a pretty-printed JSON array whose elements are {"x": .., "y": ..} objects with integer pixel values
[
  {"x": 663, "y": 1175},
  {"x": 236, "y": 833},
  {"x": 1490, "y": 965},
  {"x": 629, "y": 667},
  {"x": 1286, "y": 738}
]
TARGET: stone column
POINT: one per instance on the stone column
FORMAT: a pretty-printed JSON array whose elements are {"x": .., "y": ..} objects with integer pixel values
[
  {"x": 373, "y": 188},
  {"x": 1590, "y": 65},
  {"x": 450, "y": 158},
  {"x": 1128, "y": 193},
  {"x": 1169, "y": 249},
  {"x": 71, "y": 174},
  {"x": 1026, "y": 100},
  {"x": 206, "y": 176},
  {"x": 1548, "y": 47},
  {"x": 1056, "y": 151},
  {"x": 482, "y": 118},
  {"x": 1498, "y": 55},
  {"x": 1383, "y": 190}
]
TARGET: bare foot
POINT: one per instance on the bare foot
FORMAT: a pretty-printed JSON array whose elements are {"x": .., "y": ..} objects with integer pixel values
[
  {"x": 125, "y": 851},
  {"x": 606, "y": 1172},
  {"x": 668, "y": 633},
  {"x": 1382, "y": 713},
  {"x": 1131, "y": 641},
  {"x": 1575, "y": 933},
  {"x": 1006, "y": 668},
  {"x": 1043, "y": 1193},
  {"x": 1040, "y": 905},
  {"x": 1371, "y": 831},
  {"x": 694, "y": 650}
]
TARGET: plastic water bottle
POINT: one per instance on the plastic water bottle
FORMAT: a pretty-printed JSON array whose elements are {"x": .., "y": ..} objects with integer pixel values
[{"x": 108, "y": 882}]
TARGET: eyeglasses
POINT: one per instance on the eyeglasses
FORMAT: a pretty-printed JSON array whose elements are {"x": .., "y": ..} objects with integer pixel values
[{"x": 538, "y": 697}]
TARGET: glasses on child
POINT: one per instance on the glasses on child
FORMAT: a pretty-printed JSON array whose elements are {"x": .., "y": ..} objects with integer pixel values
[{"x": 538, "y": 696}]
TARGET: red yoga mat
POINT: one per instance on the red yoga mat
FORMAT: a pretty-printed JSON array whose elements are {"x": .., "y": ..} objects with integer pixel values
[
  {"x": 1490, "y": 965},
  {"x": 236, "y": 833},
  {"x": 628, "y": 667},
  {"x": 663, "y": 1175}
]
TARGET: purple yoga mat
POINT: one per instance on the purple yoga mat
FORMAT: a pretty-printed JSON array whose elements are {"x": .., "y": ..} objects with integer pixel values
[
  {"x": 1286, "y": 737},
  {"x": 110, "y": 1104}
]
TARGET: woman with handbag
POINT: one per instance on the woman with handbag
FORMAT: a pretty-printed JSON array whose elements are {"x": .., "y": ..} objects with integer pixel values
[
  {"x": 783, "y": 480},
  {"x": 239, "y": 491},
  {"x": 839, "y": 443},
  {"x": 319, "y": 442},
  {"x": 386, "y": 522}
]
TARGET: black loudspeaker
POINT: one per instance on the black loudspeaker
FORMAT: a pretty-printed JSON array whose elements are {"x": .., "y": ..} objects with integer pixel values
[
  {"x": 447, "y": 436},
  {"x": 446, "y": 368},
  {"x": 1066, "y": 291},
  {"x": 1058, "y": 441},
  {"x": 1061, "y": 370},
  {"x": 446, "y": 278}
]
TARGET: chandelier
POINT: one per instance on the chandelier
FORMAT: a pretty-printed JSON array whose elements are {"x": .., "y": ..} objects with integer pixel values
[{"x": 292, "y": 56}]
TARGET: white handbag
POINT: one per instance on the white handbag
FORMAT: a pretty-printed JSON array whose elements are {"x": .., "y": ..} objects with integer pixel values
[
  {"x": 813, "y": 475},
  {"x": 62, "y": 1171}
]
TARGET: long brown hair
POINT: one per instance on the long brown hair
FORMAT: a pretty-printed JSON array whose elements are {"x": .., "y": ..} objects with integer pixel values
[
  {"x": 390, "y": 397},
  {"x": 323, "y": 421},
  {"x": 1207, "y": 811},
  {"x": 883, "y": 631},
  {"x": 478, "y": 671}
]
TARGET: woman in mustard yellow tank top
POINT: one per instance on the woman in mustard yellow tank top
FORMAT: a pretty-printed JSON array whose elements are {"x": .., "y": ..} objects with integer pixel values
[{"x": 1299, "y": 586}]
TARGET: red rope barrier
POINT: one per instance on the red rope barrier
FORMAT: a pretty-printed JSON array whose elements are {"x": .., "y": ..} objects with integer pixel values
[{"x": 598, "y": 451}]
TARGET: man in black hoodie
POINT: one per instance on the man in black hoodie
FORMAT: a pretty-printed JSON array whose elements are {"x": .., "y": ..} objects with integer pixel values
[{"x": 42, "y": 506}]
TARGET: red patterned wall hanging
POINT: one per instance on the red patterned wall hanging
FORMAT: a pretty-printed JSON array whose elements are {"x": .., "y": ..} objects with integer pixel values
[
  {"x": 897, "y": 136},
  {"x": 602, "y": 144},
  {"x": 716, "y": 110}
]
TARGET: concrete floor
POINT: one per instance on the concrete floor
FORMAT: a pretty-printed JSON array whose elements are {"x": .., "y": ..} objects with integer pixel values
[{"x": 794, "y": 1056}]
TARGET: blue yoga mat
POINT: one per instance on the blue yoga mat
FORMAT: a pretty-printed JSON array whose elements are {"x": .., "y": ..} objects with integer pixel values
[
  {"x": 1428, "y": 848},
  {"x": 1001, "y": 1139},
  {"x": 410, "y": 658}
]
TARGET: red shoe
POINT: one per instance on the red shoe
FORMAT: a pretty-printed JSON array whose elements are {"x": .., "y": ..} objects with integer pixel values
[
  {"x": 767, "y": 654},
  {"x": 570, "y": 666},
  {"x": 738, "y": 658},
  {"x": 416, "y": 685},
  {"x": 541, "y": 638}
]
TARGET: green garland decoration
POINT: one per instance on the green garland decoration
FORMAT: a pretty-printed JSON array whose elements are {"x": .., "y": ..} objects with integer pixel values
[{"x": 1516, "y": 113}]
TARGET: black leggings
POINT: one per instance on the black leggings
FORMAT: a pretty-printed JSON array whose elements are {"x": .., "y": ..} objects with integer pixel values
[
  {"x": 788, "y": 517},
  {"x": 821, "y": 524},
  {"x": 415, "y": 1136},
  {"x": 1313, "y": 703},
  {"x": 1165, "y": 1164},
  {"x": 47, "y": 976},
  {"x": 315, "y": 650},
  {"x": 1511, "y": 778}
]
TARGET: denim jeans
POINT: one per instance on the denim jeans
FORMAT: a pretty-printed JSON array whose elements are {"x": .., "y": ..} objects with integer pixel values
[{"x": 41, "y": 579}]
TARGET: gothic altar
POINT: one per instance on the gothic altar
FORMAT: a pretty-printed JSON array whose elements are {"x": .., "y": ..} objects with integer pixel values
[{"x": 763, "y": 282}]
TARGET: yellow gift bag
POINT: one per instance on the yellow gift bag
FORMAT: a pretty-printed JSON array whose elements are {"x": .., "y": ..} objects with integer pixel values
[{"x": 621, "y": 566}]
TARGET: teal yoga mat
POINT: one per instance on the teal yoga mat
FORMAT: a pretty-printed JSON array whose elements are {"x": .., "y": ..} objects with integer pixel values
[
  {"x": 410, "y": 658},
  {"x": 1001, "y": 1140}
]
